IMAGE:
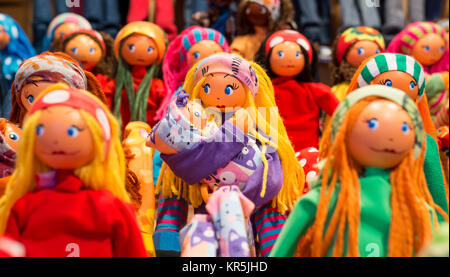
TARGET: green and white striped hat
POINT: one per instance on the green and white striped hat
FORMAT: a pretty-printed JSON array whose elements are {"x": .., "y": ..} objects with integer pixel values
[{"x": 392, "y": 62}]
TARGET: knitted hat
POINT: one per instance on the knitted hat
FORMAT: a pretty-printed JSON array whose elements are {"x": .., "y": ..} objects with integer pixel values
[
  {"x": 355, "y": 34},
  {"x": 144, "y": 28},
  {"x": 91, "y": 33},
  {"x": 61, "y": 19},
  {"x": 289, "y": 35},
  {"x": 395, "y": 95},
  {"x": 196, "y": 34},
  {"x": 404, "y": 41},
  {"x": 392, "y": 62},
  {"x": 229, "y": 64},
  {"x": 272, "y": 5}
]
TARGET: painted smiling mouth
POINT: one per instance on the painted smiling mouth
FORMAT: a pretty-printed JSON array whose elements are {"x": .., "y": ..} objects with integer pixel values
[
  {"x": 386, "y": 150},
  {"x": 221, "y": 107},
  {"x": 63, "y": 153},
  {"x": 141, "y": 60}
]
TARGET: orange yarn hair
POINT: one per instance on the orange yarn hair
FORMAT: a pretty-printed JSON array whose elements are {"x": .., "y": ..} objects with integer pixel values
[
  {"x": 18, "y": 111},
  {"x": 411, "y": 227}
]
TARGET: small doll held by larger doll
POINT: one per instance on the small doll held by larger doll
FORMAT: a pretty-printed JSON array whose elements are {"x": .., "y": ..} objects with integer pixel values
[
  {"x": 68, "y": 186},
  {"x": 37, "y": 73},
  {"x": 9, "y": 142},
  {"x": 405, "y": 73},
  {"x": 371, "y": 197},
  {"x": 260, "y": 163},
  {"x": 288, "y": 58}
]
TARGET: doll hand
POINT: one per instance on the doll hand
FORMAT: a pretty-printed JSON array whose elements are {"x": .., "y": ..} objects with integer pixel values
[
  {"x": 242, "y": 120},
  {"x": 154, "y": 141}
]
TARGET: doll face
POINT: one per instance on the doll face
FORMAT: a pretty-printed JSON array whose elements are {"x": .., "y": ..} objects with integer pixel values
[
  {"x": 382, "y": 135},
  {"x": 64, "y": 29},
  {"x": 194, "y": 113},
  {"x": 429, "y": 49},
  {"x": 257, "y": 14},
  {"x": 400, "y": 80},
  {"x": 139, "y": 50},
  {"x": 63, "y": 140},
  {"x": 85, "y": 50},
  {"x": 31, "y": 91},
  {"x": 360, "y": 51},
  {"x": 12, "y": 135},
  {"x": 287, "y": 59},
  {"x": 222, "y": 91},
  {"x": 4, "y": 38},
  {"x": 201, "y": 50}
]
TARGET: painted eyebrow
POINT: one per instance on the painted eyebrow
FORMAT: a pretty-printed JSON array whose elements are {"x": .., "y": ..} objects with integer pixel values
[{"x": 226, "y": 75}]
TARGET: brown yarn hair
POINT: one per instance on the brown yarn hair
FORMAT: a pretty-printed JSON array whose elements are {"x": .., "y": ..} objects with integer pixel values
[
  {"x": 410, "y": 228},
  {"x": 3, "y": 123},
  {"x": 107, "y": 64},
  {"x": 244, "y": 27},
  {"x": 132, "y": 183},
  {"x": 18, "y": 111},
  {"x": 344, "y": 71}
]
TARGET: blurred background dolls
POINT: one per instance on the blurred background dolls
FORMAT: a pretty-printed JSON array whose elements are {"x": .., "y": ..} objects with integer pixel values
[
  {"x": 139, "y": 48},
  {"x": 9, "y": 141},
  {"x": 371, "y": 184},
  {"x": 438, "y": 98},
  {"x": 288, "y": 58},
  {"x": 349, "y": 49},
  {"x": 14, "y": 48},
  {"x": 232, "y": 90},
  {"x": 426, "y": 42},
  {"x": 86, "y": 191},
  {"x": 94, "y": 51},
  {"x": 61, "y": 25},
  {"x": 405, "y": 73},
  {"x": 255, "y": 20},
  {"x": 39, "y": 72}
]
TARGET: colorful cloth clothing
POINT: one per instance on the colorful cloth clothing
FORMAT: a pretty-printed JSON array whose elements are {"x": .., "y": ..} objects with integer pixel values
[
  {"x": 340, "y": 90},
  {"x": 308, "y": 159}
]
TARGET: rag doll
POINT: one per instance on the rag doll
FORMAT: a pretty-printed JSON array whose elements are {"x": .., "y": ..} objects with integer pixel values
[
  {"x": 14, "y": 48},
  {"x": 438, "y": 96},
  {"x": 371, "y": 198},
  {"x": 67, "y": 194},
  {"x": 444, "y": 153},
  {"x": 39, "y": 72},
  {"x": 61, "y": 25},
  {"x": 9, "y": 141},
  {"x": 405, "y": 73},
  {"x": 139, "y": 48},
  {"x": 288, "y": 58},
  {"x": 255, "y": 20},
  {"x": 250, "y": 153},
  {"x": 349, "y": 49}
]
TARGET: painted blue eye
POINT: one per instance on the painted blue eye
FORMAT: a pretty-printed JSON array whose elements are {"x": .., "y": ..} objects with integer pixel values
[
  {"x": 13, "y": 136},
  {"x": 378, "y": 51},
  {"x": 197, "y": 114},
  {"x": 427, "y": 48},
  {"x": 73, "y": 132},
  {"x": 388, "y": 83},
  {"x": 412, "y": 85},
  {"x": 229, "y": 90},
  {"x": 280, "y": 54},
  {"x": 196, "y": 55},
  {"x": 40, "y": 130},
  {"x": 297, "y": 55},
  {"x": 361, "y": 51},
  {"x": 373, "y": 124},
  {"x": 405, "y": 128},
  {"x": 149, "y": 49},
  {"x": 131, "y": 47},
  {"x": 30, "y": 99},
  {"x": 74, "y": 50},
  {"x": 206, "y": 88},
  {"x": 442, "y": 48},
  {"x": 91, "y": 50}
]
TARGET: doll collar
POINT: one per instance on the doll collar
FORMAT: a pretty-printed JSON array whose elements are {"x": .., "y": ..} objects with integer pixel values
[{"x": 59, "y": 180}]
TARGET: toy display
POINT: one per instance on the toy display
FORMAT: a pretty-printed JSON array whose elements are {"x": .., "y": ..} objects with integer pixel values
[
  {"x": 14, "y": 49},
  {"x": 288, "y": 57},
  {"x": 39, "y": 72},
  {"x": 68, "y": 190},
  {"x": 139, "y": 48},
  {"x": 438, "y": 96},
  {"x": 255, "y": 20},
  {"x": 349, "y": 49},
  {"x": 372, "y": 184}
]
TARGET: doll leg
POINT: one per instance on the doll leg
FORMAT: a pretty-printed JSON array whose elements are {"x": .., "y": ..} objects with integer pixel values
[
  {"x": 268, "y": 222},
  {"x": 171, "y": 217}
]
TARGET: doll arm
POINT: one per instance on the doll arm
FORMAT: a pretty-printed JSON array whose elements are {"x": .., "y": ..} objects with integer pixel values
[
  {"x": 171, "y": 217},
  {"x": 16, "y": 217},
  {"x": 127, "y": 238},
  {"x": 433, "y": 174},
  {"x": 299, "y": 221},
  {"x": 197, "y": 163},
  {"x": 325, "y": 98},
  {"x": 269, "y": 223}
]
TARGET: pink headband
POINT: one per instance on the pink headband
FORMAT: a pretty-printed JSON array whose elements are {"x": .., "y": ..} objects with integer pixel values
[{"x": 229, "y": 64}]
